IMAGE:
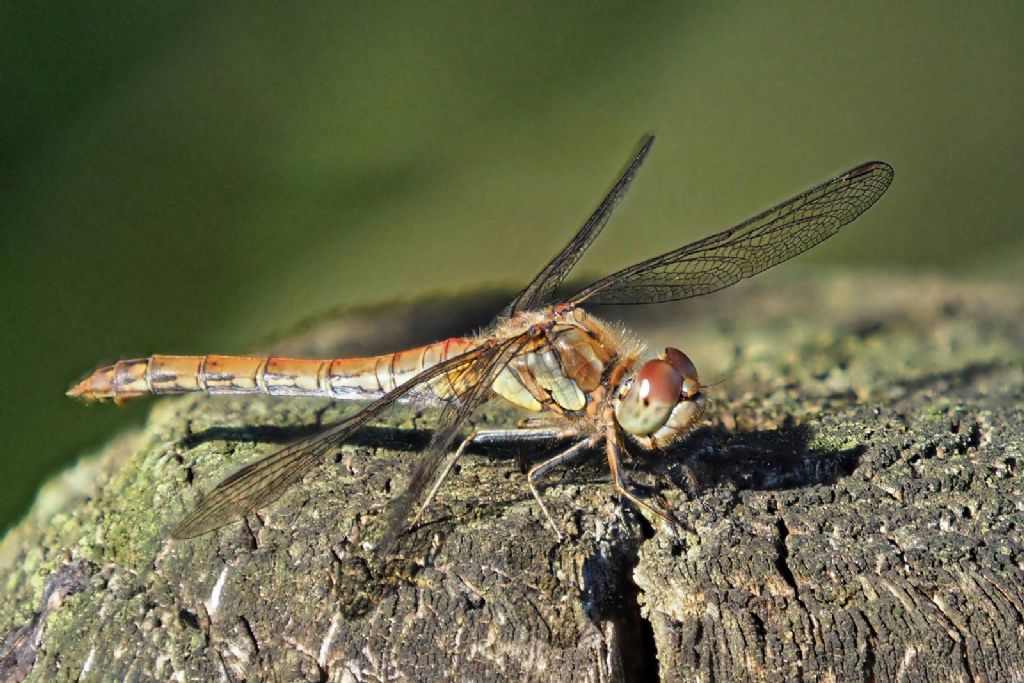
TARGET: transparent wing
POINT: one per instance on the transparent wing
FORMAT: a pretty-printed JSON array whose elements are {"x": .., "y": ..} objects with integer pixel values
[
  {"x": 751, "y": 247},
  {"x": 472, "y": 385},
  {"x": 539, "y": 291},
  {"x": 465, "y": 380}
]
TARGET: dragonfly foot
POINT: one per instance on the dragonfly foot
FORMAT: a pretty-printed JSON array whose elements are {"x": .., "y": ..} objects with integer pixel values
[{"x": 541, "y": 469}]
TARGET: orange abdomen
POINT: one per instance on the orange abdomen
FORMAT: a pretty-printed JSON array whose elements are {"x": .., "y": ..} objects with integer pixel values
[{"x": 340, "y": 378}]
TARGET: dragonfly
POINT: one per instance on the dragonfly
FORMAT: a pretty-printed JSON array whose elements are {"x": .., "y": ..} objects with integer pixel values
[{"x": 586, "y": 381}]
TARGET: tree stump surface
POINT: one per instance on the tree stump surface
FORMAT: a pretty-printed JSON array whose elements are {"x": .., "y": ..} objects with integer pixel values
[{"x": 862, "y": 455}]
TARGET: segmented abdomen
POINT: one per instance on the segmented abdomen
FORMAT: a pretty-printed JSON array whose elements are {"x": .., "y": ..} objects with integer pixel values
[{"x": 340, "y": 378}]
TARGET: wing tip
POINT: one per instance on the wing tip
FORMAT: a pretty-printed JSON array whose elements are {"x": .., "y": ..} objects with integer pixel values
[
  {"x": 195, "y": 525},
  {"x": 645, "y": 147},
  {"x": 185, "y": 531},
  {"x": 868, "y": 168}
]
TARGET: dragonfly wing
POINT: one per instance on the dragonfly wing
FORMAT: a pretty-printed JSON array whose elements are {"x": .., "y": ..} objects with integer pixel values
[
  {"x": 471, "y": 384},
  {"x": 539, "y": 291},
  {"x": 261, "y": 482},
  {"x": 749, "y": 248},
  {"x": 258, "y": 483}
]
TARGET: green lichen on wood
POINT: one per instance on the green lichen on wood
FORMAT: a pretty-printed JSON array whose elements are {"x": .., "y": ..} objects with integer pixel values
[{"x": 863, "y": 456}]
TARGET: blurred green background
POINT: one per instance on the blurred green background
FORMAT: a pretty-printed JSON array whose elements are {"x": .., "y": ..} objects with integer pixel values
[{"x": 194, "y": 177}]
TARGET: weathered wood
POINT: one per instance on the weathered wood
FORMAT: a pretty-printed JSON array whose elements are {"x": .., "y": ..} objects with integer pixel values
[{"x": 863, "y": 455}]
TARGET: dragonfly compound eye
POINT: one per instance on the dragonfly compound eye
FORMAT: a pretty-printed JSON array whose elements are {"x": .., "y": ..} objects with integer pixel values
[
  {"x": 649, "y": 402},
  {"x": 687, "y": 370}
]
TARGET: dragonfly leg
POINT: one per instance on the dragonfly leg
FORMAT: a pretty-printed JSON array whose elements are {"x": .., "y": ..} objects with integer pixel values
[
  {"x": 541, "y": 469},
  {"x": 486, "y": 436},
  {"x": 540, "y": 431},
  {"x": 539, "y": 421},
  {"x": 509, "y": 436},
  {"x": 693, "y": 486},
  {"x": 621, "y": 483}
]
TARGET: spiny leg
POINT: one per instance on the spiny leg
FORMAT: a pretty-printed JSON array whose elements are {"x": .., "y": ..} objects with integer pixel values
[
  {"x": 540, "y": 469},
  {"x": 491, "y": 436},
  {"x": 545, "y": 421},
  {"x": 621, "y": 484},
  {"x": 525, "y": 435},
  {"x": 536, "y": 429}
]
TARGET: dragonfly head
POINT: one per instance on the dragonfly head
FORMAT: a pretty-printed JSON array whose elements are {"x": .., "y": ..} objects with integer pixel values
[{"x": 663, "y": 401}]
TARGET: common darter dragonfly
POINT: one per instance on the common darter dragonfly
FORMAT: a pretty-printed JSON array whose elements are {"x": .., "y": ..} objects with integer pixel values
[{"x": 542, "y": 353}]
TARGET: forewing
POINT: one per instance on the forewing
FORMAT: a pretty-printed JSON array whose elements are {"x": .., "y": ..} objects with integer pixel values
[
  {"x": 471, "y": 386},
  {"x": 751, "y": 247},
  {"x": 539, "y": 291},
  {"x": 261, "y": 482}
]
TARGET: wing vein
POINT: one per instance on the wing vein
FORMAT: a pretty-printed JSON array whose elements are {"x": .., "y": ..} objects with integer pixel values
[{"x": 757, "y": 244}]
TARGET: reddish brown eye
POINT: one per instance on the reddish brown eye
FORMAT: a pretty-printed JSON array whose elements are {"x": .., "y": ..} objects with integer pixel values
[
  {"x": 650, "y": 400},
  {"x": 658, "y": 382},
  {"x": 685, "y": 367},
  {"x": 681, "y": 362}
]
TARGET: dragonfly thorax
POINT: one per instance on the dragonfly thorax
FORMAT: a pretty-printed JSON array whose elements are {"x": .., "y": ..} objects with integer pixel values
[
  {"x": 662, "y": 402},
  {"x": 564, "y": 368}
]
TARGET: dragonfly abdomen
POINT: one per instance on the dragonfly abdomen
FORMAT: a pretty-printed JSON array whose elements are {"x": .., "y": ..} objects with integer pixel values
[
  {"x": 374, "y": 376},
  {"x": 213, "y": 374},
  {"x": 340, "y": 378}
]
